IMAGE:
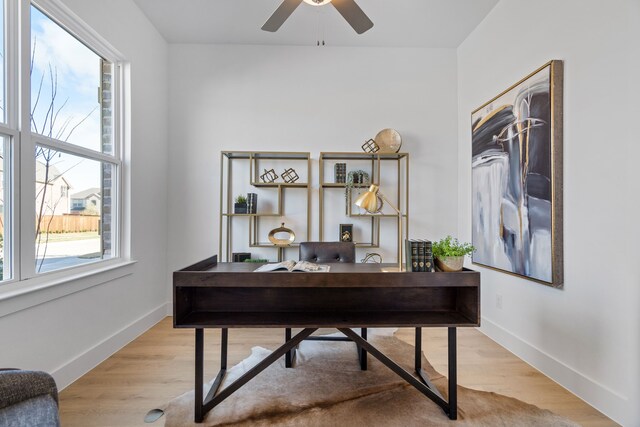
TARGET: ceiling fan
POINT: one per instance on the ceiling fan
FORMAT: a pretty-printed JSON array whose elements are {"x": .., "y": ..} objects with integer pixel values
[{"x": 349, "y": 10}]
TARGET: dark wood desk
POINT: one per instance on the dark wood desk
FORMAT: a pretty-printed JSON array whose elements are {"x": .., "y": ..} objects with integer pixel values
[{"x": 231, "y": 295}]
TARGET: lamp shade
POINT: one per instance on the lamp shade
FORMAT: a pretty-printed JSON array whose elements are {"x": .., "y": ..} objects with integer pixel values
[
  {"x": 369, "y": 201},
  {"x": 317, "y": 2}
]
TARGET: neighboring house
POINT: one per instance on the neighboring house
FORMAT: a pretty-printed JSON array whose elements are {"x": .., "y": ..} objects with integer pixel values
[
  {"x": 55, "y": 191},
  {"x": 86, "y": 202}
]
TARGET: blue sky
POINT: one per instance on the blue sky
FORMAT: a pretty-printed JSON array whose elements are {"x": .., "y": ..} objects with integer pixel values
[{"x": 77, "y": 71}]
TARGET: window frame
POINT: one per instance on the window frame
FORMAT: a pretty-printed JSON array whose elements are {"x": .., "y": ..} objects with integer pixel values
[{"x": 20, "y": 181}]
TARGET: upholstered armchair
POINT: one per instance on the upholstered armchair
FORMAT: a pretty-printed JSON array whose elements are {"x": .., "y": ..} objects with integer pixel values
[
  {"x": 28, "y": 398},
  {"x": 327, "y": 253}
]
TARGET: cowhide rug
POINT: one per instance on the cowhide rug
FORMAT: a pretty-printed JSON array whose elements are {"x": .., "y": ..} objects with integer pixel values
[{"x": 327, "y": 388}]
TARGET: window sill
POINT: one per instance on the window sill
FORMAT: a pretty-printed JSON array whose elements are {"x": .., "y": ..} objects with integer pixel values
[{"x": 21, "y": 295}]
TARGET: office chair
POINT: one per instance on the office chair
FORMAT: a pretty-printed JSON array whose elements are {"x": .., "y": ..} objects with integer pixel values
[{"x": 327, "y": 253}]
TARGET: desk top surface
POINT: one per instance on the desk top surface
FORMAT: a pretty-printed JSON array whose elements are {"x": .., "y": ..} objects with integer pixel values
[{"x": 210, "y": 273}]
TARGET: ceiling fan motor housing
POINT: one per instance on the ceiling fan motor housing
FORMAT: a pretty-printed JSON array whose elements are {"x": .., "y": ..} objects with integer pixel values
[{"x": 317, "y": 2}]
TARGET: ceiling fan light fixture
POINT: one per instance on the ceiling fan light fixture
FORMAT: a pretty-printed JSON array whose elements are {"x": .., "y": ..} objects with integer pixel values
[{"x": 317, "y": 2}]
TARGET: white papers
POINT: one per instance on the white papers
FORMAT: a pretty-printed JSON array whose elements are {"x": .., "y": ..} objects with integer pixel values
[{"x": 291, "y": 265}]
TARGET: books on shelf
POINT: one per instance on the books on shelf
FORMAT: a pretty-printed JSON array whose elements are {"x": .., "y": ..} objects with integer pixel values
[
  {"x": 419, "y": 255},
  {"x": 291, "y": 265}
]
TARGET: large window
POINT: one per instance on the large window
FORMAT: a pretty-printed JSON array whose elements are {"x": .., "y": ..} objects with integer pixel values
[{"x": 64, "y": 157}]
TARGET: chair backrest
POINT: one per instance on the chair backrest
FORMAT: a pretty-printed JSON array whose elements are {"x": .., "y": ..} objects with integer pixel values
[{"x": 328, "y": 252}]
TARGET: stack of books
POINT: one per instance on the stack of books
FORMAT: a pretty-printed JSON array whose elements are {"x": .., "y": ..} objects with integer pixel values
[
  {"x": 419, "y": 255},
  {"x": 340, "y": 172}
]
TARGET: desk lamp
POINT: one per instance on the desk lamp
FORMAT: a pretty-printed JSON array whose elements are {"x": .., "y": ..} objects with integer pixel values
[{"x": 372, "y": 201}]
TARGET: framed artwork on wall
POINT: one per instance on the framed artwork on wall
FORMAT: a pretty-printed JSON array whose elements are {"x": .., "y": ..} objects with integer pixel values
[{"x": 516, "y": 174}]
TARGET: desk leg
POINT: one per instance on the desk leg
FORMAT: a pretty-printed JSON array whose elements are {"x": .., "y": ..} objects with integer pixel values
[
  {"x": 290, "y": 356},
  {"x": 198, "y": 414},
  {"x": 418, "y": 365},
  {"x": 362, "y": 352},
  {"x": 408, "y": 377},
  {"x": 199, "y": 410},
  {"x": 214, "y": 398},
  {"x": 453, "y": 375}
]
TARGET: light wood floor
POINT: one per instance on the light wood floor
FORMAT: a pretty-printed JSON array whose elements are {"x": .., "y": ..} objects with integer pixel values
[{"x": 158, "y": 366}]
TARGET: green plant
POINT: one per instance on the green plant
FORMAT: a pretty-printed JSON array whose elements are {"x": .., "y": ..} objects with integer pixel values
[
  {"x": 241, "y": 200},
  {"x": 362, "y": 177},
  {"x": 451, "y": 247},
  {"x": 354, "y": 177},
  {"x": 256, "y": 260}
]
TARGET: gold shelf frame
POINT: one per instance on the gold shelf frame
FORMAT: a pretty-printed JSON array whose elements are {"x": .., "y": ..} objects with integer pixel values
[
  {"x": 225, "y": 231},
  {"x": 402, "y": 198}
]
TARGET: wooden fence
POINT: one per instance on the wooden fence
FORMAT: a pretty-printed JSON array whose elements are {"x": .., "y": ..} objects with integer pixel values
[{"x": 69, "y": 223}]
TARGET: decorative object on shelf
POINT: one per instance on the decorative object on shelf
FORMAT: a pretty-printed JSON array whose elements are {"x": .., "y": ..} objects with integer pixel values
[
  {"x": 370, "y": 146},
  {"x": 449, "y": 253},
  {"x": 388, "y": 141},
  {"x": 358, "y": 177},
  {"x": 252, "y": 203},
  {"x": 290, "y": 176},
  {"x": 241, "y": 256},
  {"x": 340, "y": 173},
  {"x": 256, "y": 260},
  {"x": 269, "y": 176},
  {"x": 346, "y": 232},
  {"x": 240, "y": 205},
  {"x": 372, "y": 201},
  {"x": 279, "y": 241},
  {"x": 517, "y": 143},
  {"x": 354, "y": 177},
  {"x": 372, "y": 258}
]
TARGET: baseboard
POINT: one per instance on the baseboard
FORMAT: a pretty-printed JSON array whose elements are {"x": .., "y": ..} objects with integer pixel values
[
  {"x": 80, "y": 365},
  {"x": 609, "y": 402}
]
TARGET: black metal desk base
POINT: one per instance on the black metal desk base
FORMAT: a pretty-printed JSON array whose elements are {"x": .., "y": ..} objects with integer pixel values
[
  {"x": 290, "y": 357},
  {"x": 213, "y": 398}
]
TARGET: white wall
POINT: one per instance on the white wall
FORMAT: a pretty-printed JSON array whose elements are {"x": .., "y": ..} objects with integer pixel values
[
  {"x": 69, "y": 335},
  {"x": 586, "y": 335},
  {"x": 306, "y": 99}
]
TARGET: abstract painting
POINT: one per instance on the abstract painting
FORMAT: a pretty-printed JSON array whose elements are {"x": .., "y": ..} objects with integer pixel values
[{"x": 517, "y": 178}]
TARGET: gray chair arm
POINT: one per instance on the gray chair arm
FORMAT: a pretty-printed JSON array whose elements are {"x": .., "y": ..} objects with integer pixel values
[{"x": 17, "y": 386}]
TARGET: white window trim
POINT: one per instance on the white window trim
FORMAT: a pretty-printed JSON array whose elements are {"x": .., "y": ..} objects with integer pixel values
[
  {"x": 64, "y": 281},
  {"x": 21, "y": 295}
]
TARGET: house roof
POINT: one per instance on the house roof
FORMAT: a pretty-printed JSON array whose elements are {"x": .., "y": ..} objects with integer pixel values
[
  {"x": 85, "y": 194},
  {"x": 54, "y": 173}
]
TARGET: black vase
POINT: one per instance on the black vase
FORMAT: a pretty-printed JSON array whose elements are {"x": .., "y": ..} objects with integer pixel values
[{"x": 240, "y": 208}]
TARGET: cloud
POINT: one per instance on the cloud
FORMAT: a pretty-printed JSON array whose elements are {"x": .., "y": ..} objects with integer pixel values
[
  {"x": 77, "y": 67},
  {"x": 78, "y": 78}
]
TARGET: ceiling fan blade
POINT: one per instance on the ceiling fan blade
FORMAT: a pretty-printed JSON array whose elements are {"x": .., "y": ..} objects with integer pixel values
[
  {"x": 353, "y": 14},
  {"x": 280, "y": 15}
]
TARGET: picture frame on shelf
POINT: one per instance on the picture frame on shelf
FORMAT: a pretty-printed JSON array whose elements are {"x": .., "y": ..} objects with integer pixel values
[{"x": 346, "y": 233}]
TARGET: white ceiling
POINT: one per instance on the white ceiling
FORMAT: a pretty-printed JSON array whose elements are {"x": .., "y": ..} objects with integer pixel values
[{"x": 397, "y": 23}]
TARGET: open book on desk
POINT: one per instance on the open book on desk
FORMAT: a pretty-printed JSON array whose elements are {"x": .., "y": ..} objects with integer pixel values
[{"x": 291, "y": 265}]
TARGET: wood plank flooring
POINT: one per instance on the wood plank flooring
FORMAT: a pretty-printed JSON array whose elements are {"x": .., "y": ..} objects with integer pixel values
[{"x": 158, "y": 366}]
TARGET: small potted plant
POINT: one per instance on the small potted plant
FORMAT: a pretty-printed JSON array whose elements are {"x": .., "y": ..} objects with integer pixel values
[
  {"x": 240, "y": 205},
  {"x": 449, "y": 253},
  {"x": 353, "y": 178}
]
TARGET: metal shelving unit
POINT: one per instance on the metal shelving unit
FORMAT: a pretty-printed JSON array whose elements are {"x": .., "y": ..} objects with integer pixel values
[
  {"x": 252, "y": 161},
  {"x": 375, "y": 164}
]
